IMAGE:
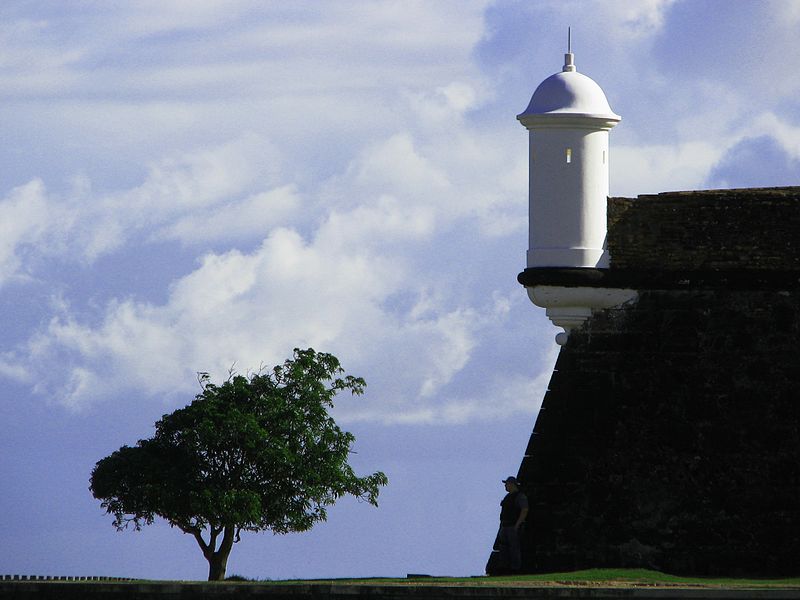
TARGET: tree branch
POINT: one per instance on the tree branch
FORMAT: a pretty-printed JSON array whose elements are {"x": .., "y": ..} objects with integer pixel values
[
  {"x": 227, "y": 540},
  {"x": 198, "y": 535}
]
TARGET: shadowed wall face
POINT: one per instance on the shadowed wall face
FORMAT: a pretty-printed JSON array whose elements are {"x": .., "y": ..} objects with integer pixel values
[{"x": 670, "y": 434}]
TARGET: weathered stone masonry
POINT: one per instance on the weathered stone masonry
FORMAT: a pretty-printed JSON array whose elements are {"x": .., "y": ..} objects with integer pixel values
[{"x": 670, "y": 433}]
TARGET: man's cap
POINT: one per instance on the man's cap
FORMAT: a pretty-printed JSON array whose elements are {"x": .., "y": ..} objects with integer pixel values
[{"x": 511, "y": 479}]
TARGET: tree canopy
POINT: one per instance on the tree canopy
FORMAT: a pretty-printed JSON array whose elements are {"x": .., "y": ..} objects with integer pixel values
[{"x": 258, "y": 452}]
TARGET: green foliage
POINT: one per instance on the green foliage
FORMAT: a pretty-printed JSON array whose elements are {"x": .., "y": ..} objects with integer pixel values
[{"x": 255, "y": 453}]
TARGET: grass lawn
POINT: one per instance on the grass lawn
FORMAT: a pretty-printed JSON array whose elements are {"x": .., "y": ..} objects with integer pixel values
[{"x": 589, "y": 577}]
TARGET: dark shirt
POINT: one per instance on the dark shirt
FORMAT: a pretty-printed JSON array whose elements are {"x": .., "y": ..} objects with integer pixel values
[{"x": 511, "y": 506}]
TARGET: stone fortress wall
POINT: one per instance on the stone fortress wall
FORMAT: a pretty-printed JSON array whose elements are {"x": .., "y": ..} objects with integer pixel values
[{"x": 669, "y": 437}]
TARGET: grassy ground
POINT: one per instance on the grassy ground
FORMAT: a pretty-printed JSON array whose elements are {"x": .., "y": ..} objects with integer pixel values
[{"x": 590, "y": 577}]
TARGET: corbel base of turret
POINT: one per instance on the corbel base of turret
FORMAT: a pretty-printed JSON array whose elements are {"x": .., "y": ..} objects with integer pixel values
[{"x": 570, "y": 307}]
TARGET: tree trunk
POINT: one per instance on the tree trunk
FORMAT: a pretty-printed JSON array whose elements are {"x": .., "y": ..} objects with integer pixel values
[
  {"x": 217, "y": 565},
  {"x": 218, "y": 561}
]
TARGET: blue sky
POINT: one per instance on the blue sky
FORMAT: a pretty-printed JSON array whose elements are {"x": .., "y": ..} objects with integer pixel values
[{"x": 188, "y": 185}]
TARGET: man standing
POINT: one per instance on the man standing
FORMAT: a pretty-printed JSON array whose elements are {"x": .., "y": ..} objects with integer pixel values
[{"x": 513, "y": 511}]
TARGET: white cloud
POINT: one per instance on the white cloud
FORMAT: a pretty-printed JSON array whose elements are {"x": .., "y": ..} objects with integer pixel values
[
  {"x": 199, "y": 180},
  {"x": 775, "y": 126},
  {"x": 790, "y": 11},
  {"x": 344, "y": 45},
  {"x": 652, "y": 169},
  {"x": 504, "y": 396},
  {"x": 236, "y": 221},
  {"x": 439, "y": 179},
  {"x": 336, "y": 289},
  {"x": 383, "y": 221},
  {"x": 518, "y": 395},
  {"x": 686, "y": 165},
  {"x": 200, "y": 197},
  {"x": 445, "y": 106},
  {"x": 395, "y": 164},
  {"x": 31, "y": 224},
  {"x": 20, "y": 218},
  {"x": 150, "y": 17},
  {"x": 342, "y": 173},
  {"x": 249, "y": 308},
  {"x": 641, "y": 18},
  {"x": 11, "y": 368},
  {"x": 454, "y": 329},
  {"x": 28, "y": 63}
]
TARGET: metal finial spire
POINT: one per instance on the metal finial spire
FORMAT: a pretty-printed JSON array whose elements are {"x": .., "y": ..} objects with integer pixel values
[{"x": 569, "y": 57}]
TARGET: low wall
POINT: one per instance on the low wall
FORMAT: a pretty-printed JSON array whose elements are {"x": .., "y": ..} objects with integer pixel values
[{"x": 22, "y": 590}]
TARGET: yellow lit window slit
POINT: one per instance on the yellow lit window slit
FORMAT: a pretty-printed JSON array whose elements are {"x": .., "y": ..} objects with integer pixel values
[{"x": 569, "y": 155}]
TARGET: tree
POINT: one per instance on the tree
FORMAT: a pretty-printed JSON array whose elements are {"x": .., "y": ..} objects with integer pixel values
[{"x": 256, "y": 453}]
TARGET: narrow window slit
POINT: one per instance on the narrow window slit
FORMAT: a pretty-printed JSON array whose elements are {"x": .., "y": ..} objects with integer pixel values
[{"x": 569, "y": 155}]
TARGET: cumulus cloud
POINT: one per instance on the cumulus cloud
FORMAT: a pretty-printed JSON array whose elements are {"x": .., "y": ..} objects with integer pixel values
[
  {"x": 236, "y": 221},
  {"x": 145, "y": 79},
  {"x": 778, "y": 128},
  {"x": 248, "y": 308},
  {"x": 235, "y": 308},
  {"x": 637, "y": 19},
  {"x": 366, "y": 211},
  {"x": 11, "y": 368},
  {"x": 755, "y": 162},
  {"x": 441, "y": 179},
  {"x": 344, "y": 46},
  {"x": 737, "y": 48},
  {"x": 446, "y": 106},
  {"x": 198, "y": 198},
  {"x": 32, "y": 224},
  {"x": 764, "y": 151},
  {"x": 189, "y": 186},
  {"x": 396, "y": 164},
  {"x": 348, "y": 264},
  {"x": 364, "y": 281},
  {"x": 652, "y": 169}
]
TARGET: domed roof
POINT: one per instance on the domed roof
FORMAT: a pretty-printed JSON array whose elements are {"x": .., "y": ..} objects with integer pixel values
[{"x": 568, "y": 94}]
